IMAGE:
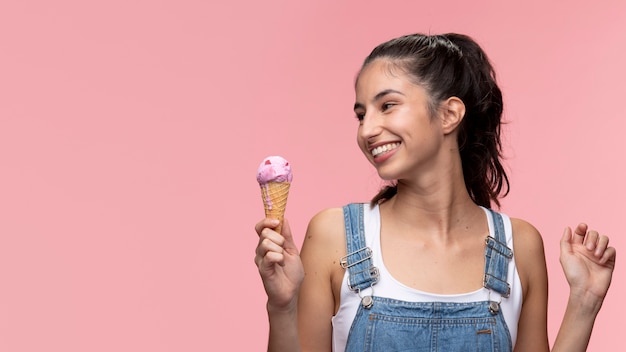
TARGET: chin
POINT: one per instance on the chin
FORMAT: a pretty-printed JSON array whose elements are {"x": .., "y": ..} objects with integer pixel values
[{"x": 387, "y": 176}]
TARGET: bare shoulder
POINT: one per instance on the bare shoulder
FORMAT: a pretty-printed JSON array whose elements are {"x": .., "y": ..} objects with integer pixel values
[
  {"x": 526, "y": 238},
  {"x": 327, "y": 220},
  {"x": 325, "y": 236},
  {"x": 529, "y": 254}
]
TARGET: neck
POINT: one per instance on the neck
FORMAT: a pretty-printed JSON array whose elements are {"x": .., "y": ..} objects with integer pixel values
[{"x": 437, "y": 204}]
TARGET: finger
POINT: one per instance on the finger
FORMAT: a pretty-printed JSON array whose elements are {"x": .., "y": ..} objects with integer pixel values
[
  {"x": 566, "y": 240},
  {"x": 269, "y": 240},
  {"x": 591, "y": 240},
  {"x": 265, "y": 223},
  {"x": 272, "y": 235},
  {"x": 579, "y": 233},
  {"x": 272, "y": 258},
  {"x": 267, "y": 262},
  {"x": 609, "y": 256},
  {"x": 603, "y": 243},
  {"x": 266, "y": 245}
]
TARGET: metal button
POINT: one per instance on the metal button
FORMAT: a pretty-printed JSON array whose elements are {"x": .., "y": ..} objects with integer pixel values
[
  {"x": 494, "y": 307},
  {"x": 367, "y": 302}
]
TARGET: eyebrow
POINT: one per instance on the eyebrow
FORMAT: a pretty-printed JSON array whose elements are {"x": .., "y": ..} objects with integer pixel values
[{"x": 378, "y": 97}]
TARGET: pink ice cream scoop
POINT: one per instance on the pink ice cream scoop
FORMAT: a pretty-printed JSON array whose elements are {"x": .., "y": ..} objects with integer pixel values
[
  {"x": 274, "y": 177},
  {"x": 274, "y": 169}
]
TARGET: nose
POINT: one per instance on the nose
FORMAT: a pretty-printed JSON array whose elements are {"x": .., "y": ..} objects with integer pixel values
[{"x": 370, "y": 127}]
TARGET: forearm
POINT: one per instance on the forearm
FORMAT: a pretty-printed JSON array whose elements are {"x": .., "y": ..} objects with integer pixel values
[
  {"x": 283, "y": 334},
  {"x": 577, "y": 325}
]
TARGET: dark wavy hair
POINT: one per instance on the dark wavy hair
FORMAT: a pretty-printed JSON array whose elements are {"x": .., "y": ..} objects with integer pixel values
[{"x": 450, "y": 65}]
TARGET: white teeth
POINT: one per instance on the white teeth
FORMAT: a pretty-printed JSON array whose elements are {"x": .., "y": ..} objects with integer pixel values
[{"x": 384, "y": 148}]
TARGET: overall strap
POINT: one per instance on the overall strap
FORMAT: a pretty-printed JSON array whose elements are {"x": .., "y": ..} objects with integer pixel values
[
  {"x": 497, "y": 257},
  {"x": 358, "y": 261}
]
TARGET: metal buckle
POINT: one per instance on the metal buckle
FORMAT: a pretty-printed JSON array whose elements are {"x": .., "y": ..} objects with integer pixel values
[
  {"x": 489, "y": 241},
  {"x": 344, "y": 260},
  {"x": 508, "y": 287},
  {"x": 374, "y": 275}
]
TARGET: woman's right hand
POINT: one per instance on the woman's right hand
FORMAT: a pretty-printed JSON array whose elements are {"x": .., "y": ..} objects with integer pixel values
[{"x": 278, "y": 260}]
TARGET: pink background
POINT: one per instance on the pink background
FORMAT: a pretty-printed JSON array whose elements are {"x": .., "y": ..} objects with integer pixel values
[{"x": 130, "y": 133}]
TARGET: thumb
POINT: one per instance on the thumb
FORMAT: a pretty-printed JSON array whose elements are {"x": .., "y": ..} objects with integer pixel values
[{"x": 290, "y": 244}]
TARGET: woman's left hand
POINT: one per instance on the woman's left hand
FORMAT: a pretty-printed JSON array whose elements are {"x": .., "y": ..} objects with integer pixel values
[{"x": 587, "y": 261}]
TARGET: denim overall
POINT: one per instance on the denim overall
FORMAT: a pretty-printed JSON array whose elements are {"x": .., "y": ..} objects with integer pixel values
[{"x": 384, "y": 324}]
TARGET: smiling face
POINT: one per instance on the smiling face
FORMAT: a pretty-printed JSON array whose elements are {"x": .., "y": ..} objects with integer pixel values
[{"x": 397, "y": 132}]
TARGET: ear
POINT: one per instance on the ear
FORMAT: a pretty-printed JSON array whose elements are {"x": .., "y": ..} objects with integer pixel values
[{"x": 452, "y": 113}]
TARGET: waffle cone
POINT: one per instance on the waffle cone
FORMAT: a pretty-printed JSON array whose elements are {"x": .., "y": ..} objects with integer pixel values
[{"x": 275, "y": 200}]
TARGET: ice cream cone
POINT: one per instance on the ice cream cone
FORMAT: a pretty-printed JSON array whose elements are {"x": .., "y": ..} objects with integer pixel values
[{"x": 275, "y": 200}]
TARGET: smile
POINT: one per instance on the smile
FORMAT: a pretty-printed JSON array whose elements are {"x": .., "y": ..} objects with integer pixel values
[{"x": 384, "y": 148}]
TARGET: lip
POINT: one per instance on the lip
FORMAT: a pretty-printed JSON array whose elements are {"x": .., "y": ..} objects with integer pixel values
[
  {"x": 373, "y": 146},
  {"x": 384, "y": 156}
]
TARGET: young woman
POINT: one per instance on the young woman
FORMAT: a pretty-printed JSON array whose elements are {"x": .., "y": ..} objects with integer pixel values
[{"x": 427, "y": 265}]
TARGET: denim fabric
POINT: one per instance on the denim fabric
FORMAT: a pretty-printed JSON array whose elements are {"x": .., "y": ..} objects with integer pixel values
[
  {"x": 358, "y": 261},
  {"x": 384, "y": 324}
]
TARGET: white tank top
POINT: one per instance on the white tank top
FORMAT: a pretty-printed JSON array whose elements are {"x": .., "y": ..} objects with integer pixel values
[{"x": 389, "y": 287}]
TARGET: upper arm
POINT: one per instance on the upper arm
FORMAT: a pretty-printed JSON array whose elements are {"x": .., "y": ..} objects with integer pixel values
[
  {"x": 324, "y": 243},
  {"x": 532, "y": 333}
]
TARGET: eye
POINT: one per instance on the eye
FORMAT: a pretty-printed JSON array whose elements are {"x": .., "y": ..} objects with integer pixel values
[
  {"x": 359, "y": 115},
  {"x": 387, "y": 106}
]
